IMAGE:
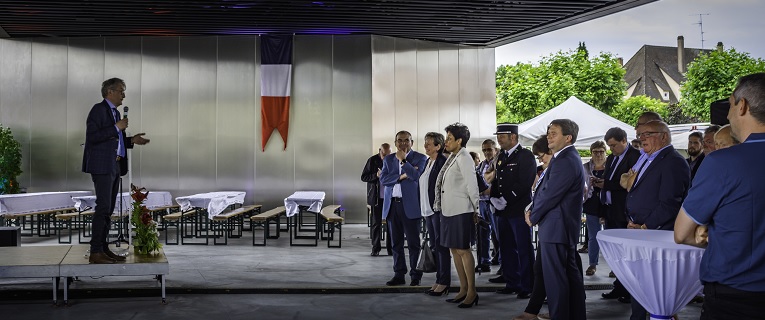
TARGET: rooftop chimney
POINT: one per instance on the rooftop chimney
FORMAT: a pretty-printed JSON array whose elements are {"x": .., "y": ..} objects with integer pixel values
[
  {"x": 720, "y": 47},
  {"x": 680, "y": 52},
  {"x": 621, "y": 61}
]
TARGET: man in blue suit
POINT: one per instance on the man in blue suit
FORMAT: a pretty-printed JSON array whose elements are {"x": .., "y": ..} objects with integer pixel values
[
  {"x": 661, "y": 181},
  {"x": 557, "y": 209},
  {"x": 105, "y": 158},
  {"x": 401, "y": 206}
]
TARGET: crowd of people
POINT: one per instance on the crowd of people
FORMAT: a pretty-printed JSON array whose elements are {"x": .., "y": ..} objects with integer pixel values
[{"x": 643, "y": 184}]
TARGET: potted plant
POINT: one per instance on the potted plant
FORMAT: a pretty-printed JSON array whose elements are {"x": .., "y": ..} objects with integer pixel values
[{"x": 146, "y": 239}]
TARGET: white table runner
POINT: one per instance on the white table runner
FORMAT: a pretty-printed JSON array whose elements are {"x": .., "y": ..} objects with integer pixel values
[
  {"x": 311, "y": 199},
  {"x": 37, "y": 201},
  {"x": 214, "y": 202},
  {"x": 156, "y": 199}
]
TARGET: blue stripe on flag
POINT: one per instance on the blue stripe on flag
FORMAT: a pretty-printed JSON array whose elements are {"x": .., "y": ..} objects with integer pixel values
[{"x": 276, "y": 49}]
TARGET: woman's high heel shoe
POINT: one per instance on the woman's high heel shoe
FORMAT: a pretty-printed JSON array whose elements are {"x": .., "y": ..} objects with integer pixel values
[
  {"x": 468, "y": 305},
  {"x": 456, "y": 300},
  {"x": 439, "y": 293}
]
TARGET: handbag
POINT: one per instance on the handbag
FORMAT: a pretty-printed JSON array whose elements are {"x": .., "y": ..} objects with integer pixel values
[{"x": 427, "y": 263}]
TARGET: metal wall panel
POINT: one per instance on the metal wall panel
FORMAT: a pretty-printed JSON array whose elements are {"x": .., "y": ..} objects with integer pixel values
[
  {"x": 122, "y": 59},
  {"x": 236, "y": 82},
  {"x": 352, "y": 118},
  {"x": 448, "y": 85},
  {"x": 469, "y": 92},
  {"x": 197, "y": 112},
  {"x": 487, "y": 109},
  {"x": 159, "y": 99},
  {"x": 405, "y": 87},
  {"x": 15, "y": 98},
  {"x": 383, "y": 93},
  {"x": 275, "y": 170},
  {"x": 48, "y": 153},
  {"x": 427, "y": 91},
  {"x": 312, "y": 120}
]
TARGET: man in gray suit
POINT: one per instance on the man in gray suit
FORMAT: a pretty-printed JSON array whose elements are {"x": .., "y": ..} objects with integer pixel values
[{"x": 557, "y": 209}]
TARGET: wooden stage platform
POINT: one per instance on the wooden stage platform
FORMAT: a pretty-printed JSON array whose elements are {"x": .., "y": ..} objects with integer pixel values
[{"x": 70, "y": 261}]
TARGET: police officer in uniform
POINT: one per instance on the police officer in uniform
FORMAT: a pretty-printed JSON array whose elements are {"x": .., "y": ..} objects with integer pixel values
[{"x": 511, "y": 181}]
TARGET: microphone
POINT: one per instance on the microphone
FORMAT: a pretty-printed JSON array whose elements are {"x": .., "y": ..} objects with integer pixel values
[{"x": 124, "y": 110}]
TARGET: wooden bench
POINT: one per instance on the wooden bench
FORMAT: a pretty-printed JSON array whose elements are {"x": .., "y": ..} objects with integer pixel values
[
  {"x": 226, "y": 223},
  {"x": 175, "y": 219},
  {"x": 158, "y": 212},
  {"x": 331, "y": 221},
  {"x": 45, "y": 221},
  {"x": 69, "y": 219},
  {"x": 264, "y": 220}
]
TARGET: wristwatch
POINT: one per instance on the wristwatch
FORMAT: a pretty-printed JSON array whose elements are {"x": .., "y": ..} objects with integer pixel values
[{"x": 403, "y": 161}]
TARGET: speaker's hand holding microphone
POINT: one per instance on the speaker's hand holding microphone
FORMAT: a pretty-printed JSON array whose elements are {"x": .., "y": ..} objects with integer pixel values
[{"x": 122, "y": 124}]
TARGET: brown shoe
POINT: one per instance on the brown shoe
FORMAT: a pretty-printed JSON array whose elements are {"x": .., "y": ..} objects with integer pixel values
[
  {"x": 590, "y": 271},
  {"x": 543, "y": 316},
  {"x": 114, "y": 256},
  {"x": 100, "y": 258}
]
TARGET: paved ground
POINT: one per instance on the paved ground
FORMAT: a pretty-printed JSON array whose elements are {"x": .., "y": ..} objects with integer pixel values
[{"x": 239, "y": 281}]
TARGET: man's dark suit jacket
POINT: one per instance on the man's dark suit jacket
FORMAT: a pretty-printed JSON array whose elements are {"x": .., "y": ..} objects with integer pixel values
[
  {"x": 617, "y": 217},
  {"x": 656, "y": 197},
  {"x": 434, "y": 170},
  {"x": 513, "y": 180},
  {"x": 558, "y": 200},
  {"x": 369, "y": 175},
  {"x": 696, "y": 165},
  {"x": 101, "y": 140}
]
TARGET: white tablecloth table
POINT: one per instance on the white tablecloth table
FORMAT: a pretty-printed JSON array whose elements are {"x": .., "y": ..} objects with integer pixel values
[
  {"x": 311, "y": 199},
  {"x": 662, "y": 275},
  {"x": 213, "y": 202},
  {"x": 156, "y": 199},
  {"x": 38, "y": 201}
]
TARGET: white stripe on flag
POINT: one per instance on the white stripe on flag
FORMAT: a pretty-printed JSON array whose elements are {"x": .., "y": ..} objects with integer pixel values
[{"x": 275, "y": 80}]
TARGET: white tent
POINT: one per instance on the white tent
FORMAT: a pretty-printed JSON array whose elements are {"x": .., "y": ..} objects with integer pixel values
[
  {"x": 681, "y": 132},
  {"x": 593, "y": 124}
]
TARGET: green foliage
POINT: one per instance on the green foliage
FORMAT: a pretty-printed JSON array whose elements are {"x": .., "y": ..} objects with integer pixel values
[
  {"x": 630, "y": 109},
  {"x": 712, "y": 77},
  {"x": 675, "y": 115},
  {"x": 525, "y": 90},
  {"x": 10, "y": 161},
  {"x": 146, "y": 239}
]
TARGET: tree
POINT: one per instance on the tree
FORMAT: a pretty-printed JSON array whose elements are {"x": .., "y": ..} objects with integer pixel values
[
  {"x": 10, "y": 161},
  {"x": 629, "y": 110},
  {"x": 525, "y": 90},
  {"x": 712, "y": 77}
]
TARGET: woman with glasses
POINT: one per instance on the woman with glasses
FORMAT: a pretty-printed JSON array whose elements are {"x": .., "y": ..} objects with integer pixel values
[{"x": 592, "y": 207}]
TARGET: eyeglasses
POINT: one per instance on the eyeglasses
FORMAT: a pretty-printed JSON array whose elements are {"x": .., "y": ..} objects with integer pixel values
[
  {"x": 647, "y": 134},
  {"x": 598, "y": 152},
  {"x": 487, "y": 149},
  {"x": 540, "y": 156}
]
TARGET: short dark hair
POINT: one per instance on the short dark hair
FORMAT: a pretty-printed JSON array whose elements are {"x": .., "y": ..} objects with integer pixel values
[
  {"x": 598, "y": 145},
  {"x": 459, "y": 131},
  {"x": 696, "y": 134},
  {"x": 616, "y": 133},
  {"x": 540, "y": 146},
  {"x": 438, "y": 140},
  {"x": 110, "y": 84},
  {"x": 752, "y": 88},
  {"x": 403, "y": 132},
  {"x": 567, "y": 128},
  {"x": 491, "y": 142},
  {"x": 712, "y": 129},
  {"x": 474, "y": 155}
]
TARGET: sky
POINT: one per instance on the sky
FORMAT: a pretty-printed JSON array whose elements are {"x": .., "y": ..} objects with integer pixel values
[{"x": 737, "y": 23}]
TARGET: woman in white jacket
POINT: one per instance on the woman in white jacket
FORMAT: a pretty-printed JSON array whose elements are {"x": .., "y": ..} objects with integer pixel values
[{"x": 457, "y": 199}]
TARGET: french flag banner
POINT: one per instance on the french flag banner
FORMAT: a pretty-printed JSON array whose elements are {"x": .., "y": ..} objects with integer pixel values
[{"x": 275, "y": 83}]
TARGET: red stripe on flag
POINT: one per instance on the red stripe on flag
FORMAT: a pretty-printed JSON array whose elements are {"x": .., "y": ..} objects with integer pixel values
[{"x": 275, "y": 112}]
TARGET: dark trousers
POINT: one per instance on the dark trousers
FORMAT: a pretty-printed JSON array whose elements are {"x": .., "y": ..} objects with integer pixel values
[
  {"x": 401, "y": 225},
  {"x": 440, "y": 253},
  {"x": 376, "y": 229},
  {"x": 539, "y": 293},
  {"x": 483, "y": 235},
  {"x": 723, "y": 302},
  {"x": 106, "y": 186},
  {"x": 516, "y": 253},
  {"x": 611, "y": 224},
  {"x": 563, "y": 281}
]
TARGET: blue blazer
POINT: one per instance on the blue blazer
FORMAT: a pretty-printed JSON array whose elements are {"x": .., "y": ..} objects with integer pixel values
[
  {"x": 101, "y": 140},
  {"x": 557, "y": 207},
  {"x": 655, "y": 199},
  {"x": 410, "y": 192}
]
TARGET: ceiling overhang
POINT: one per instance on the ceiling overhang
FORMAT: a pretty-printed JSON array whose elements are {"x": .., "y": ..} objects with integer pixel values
[{"x": 477, "y": 22}]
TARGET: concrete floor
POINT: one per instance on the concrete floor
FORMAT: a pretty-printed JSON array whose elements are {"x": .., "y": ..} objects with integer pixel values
[{"x": 239, "y": 281}]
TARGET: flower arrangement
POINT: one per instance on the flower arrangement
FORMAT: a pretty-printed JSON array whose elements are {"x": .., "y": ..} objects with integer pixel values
[{"x": 146, "y": 238}]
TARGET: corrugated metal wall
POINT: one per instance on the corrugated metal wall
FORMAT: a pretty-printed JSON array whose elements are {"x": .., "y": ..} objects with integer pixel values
[{"x": 197, "y": 98}]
